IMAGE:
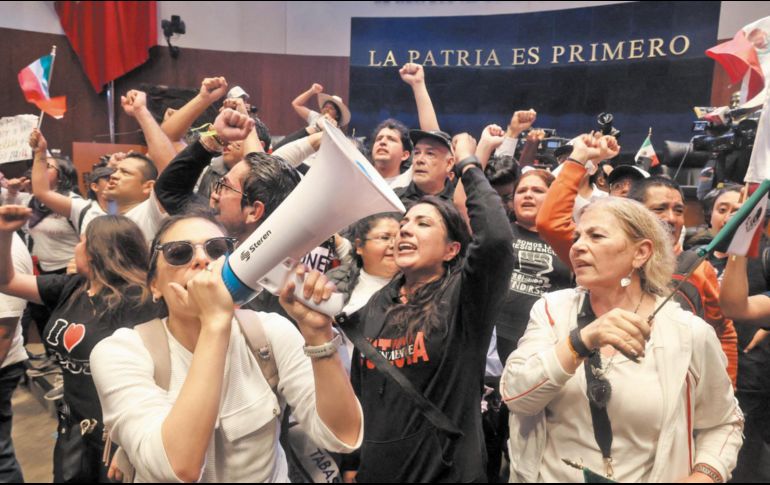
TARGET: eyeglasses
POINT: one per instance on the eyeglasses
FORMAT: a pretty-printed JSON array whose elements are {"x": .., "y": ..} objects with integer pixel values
[
  {"x": 179, "y": 253},
  {"x": 384, "y": 239},
  {"x": 217, "y": 185}
]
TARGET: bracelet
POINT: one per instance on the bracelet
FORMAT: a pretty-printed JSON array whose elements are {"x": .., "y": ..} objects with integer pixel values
[
  {"x": 570, "y": 159},
  {"x": 578, "y": 345},
  {"x": 709, "y": 471},
  {"x": 575, "y": 355},
  {"x": 324, "y": 350}
]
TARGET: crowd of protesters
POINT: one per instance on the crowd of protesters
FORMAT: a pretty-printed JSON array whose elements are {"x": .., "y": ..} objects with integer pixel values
[{"x": 513, "y": 319}]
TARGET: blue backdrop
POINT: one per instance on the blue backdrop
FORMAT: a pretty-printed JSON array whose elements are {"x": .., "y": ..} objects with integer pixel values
[{"x": 644, "y": 62}]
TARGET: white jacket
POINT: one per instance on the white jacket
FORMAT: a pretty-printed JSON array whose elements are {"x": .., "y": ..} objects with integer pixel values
[{"x": 703, "y": 423}]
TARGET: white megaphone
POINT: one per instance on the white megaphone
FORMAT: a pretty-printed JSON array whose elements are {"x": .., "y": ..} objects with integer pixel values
[{"x": 340, "y": 188}]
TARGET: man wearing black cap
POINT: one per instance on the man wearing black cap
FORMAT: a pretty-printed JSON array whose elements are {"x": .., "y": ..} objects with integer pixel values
[
  {"x": 623, "y": 177},
  {"x": 431, "y": 165}
]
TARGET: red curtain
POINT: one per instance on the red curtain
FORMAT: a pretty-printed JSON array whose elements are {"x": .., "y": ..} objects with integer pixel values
[{"x": 110, "y": 38}]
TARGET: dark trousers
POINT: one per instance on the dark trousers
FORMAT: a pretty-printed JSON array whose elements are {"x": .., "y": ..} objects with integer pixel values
[
  {"x": 77, "y": 458},
  {"x": 10, "y": 471}
]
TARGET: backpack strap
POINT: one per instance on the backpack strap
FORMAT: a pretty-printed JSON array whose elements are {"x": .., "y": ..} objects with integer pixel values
[
  {"x": 256, "y": 338},
  {"x": 155, "y": 340}
]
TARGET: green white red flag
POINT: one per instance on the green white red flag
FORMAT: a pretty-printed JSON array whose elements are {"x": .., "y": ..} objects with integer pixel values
[
  {"x": 35, "y": 80},
  {"x": 647, "y": 151}
]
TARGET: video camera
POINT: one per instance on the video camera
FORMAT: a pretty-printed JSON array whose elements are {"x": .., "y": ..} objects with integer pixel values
[{"x": 720, "y": 147}]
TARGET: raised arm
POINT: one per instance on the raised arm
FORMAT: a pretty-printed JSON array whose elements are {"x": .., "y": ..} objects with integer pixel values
[
  {"x": 414, "y": 75},
  {"x": 489, "y": 259},
  {"x": 252, "y": 143},
  {"x": 159, "y": 147},
  {"x": 174, "y": 187},
  {"x": 520, "y": 121},
  {"x": 12, "y": 218},
  {"x": 41, "y": 188},
  {"x": 554, "y": 221},
  {"x": 300, "y": 101},
  {"x": 177, "y": 125},
  {"x": 491, "y": 138},
  {"x": 529, "y": 152},
  {"x": 734, "y": 295}
]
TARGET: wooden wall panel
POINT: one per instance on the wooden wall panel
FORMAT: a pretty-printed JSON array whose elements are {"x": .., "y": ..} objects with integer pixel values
[{"x": 272, "y": 80}]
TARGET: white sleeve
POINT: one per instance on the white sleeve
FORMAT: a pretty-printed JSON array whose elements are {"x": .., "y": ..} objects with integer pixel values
[
  {"x": 718, "y": 421},
  {"x": 22, "y": 264},
  {"x": 312, "y": 117},
  {"x": 296, "y": 383},
  {"x": 508, "y": 147},
  {"x": 295, "y": 152},
  {"x": 533, "y": 375},
  {"x": 148, "y": 216},
  {"x": 134, "y": 407}
]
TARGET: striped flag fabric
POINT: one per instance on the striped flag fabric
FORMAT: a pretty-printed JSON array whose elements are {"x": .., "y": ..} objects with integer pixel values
[
  {"x": 742, "y": 233},
  {"x": 34, "y": 81},
  {"x": 647, "y": 151}
]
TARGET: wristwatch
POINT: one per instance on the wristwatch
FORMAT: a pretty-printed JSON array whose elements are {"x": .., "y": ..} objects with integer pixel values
[
  {"x": 460, "y": 166},
  {"x": 324, "y": 350}
]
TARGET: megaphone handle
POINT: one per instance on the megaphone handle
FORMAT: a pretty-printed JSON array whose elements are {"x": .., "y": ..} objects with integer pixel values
[{"x": 276, "y": 278}]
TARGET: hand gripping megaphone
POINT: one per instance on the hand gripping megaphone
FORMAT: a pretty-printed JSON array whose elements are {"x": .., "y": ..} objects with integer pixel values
[{"x": 339, "y": 189}]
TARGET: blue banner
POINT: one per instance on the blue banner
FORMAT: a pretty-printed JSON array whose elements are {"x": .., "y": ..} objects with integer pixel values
[{"x": 643, "y": 62}]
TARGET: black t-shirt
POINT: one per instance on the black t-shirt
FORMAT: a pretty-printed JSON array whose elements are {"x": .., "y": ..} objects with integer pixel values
[
  {"x": 752, "y": 366},
  {"x": 536, "y": 270},
  {"x": 74, "y": 329}
]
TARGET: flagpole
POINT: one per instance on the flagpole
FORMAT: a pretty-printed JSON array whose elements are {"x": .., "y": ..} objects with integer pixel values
[
  {"x": 677, "y": 287},
  {"x": 50, "y": 80}
]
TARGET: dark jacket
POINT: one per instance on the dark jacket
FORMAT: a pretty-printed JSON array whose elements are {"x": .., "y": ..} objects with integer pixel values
[
  {"x": 174, "y": 187},
  {"x": 447, "y": 365}
]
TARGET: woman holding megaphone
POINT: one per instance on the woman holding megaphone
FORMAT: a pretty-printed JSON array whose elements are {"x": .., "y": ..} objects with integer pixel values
[
  {"x": 434, "y": 323},
  {"x": 206, "y": 408}
]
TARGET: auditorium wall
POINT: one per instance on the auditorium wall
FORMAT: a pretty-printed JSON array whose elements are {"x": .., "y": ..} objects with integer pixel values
[{"x": 274, "y": 50}]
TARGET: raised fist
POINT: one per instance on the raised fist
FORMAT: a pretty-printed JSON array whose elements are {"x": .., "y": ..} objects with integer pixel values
[
  {"x": 37, "y": 142},
  {"x": 520, "y": 121},
  {"x": 317, "y": 88},
  {"x": 213, "y": 88},
  {"x": 412, "y": 74},
  {"x": 535, "y": 135},
  {"x": 231, "y": 125},
  {"x": 492, "y": 136},
  {"x": 133, "y": 102},
  {"x": 237, "y": 104},
  {"x": 13, "y": 217},
  {"x": 464, "y": 146}
]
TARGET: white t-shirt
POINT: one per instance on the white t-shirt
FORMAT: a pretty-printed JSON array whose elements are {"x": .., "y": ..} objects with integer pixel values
[
  {"x": 400, "y": 181},
  {"x": 12, "y": 307},
  {"x": 244, "y": 446},
  {"x": 54, "y": 240},
  {"x": 148, "y": 216},
  {"x": 366, "y": 286}
]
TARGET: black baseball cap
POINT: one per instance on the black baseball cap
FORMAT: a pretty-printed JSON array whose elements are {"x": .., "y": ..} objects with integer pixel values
[
  {"x": 626, "y": 171},
  {"x": 440, "y": 136},
  {"x": 100, "y": 173}
]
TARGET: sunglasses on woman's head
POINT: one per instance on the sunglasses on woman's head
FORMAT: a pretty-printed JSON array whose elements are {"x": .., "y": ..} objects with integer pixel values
[{"x": 179, "y": 253}]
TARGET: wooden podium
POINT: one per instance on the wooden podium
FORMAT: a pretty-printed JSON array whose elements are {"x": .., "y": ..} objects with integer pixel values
[{"x": 86, "y": 154}]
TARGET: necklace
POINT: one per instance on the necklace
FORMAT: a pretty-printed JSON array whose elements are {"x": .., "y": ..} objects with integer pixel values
[{"x": 605, "y": 369}]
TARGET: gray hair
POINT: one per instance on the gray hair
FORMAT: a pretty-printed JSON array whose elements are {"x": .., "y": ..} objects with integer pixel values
[{"x": 639, "y": 224}]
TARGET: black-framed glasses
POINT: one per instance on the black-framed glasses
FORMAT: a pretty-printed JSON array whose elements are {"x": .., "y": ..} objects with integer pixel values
[
  {"x": 179, "y": 253},
  {"x": 216, "y": 186}
]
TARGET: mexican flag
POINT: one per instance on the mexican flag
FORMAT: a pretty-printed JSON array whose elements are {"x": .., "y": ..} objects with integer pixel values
[
  {"x": 647, "y": 151},
  {"x": 742, "y": 233},
  {"x": 34, "y": 81}
]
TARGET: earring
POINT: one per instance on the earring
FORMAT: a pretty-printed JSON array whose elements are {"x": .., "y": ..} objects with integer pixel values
[
  {"x": 154, "y": 299},
  {"x": 626, "y": 282}
]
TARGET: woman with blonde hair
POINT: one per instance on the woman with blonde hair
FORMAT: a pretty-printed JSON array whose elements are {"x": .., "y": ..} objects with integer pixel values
[{"x": 596, "y": 382}]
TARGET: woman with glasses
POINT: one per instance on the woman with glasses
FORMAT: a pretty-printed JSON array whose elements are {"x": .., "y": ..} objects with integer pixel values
[
  {"x": 602, "y": 381},
  {"x": 374, "y": 263},
  {"x": 107, "y": 293},
  {"x": 536, "y": 269},
  {"x": 218, "y": 420}
]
